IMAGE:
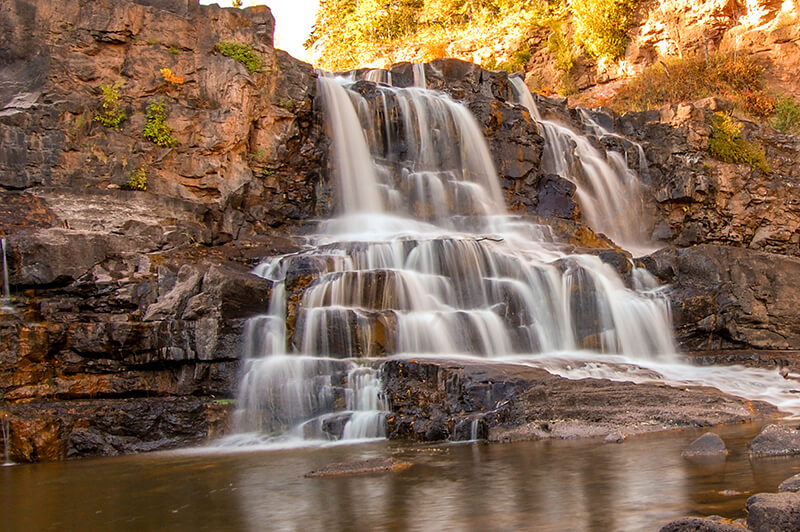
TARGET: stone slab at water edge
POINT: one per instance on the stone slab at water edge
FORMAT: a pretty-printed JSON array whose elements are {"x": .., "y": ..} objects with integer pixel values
[{"x": 444, "y": 399}]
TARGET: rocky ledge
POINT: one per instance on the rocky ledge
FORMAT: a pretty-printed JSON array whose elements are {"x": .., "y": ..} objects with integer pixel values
[{"x": 460, "y": 399}]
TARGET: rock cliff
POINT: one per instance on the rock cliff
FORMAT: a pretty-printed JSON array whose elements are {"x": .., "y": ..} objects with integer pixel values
[{"x": 128, "y": 305}]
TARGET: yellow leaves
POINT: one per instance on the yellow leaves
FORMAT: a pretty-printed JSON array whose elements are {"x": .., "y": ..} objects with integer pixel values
[{"x": 170, "y": 77}]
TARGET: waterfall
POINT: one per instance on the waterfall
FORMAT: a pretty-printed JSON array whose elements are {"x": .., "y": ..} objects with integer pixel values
[
  {"x": 422, "y": 259},
  {"x": 608, "y": 191},
  {"x": 5, "y": 301},
  {"x": 418, "y": 70},
  {"x": 4, "y": 426}
]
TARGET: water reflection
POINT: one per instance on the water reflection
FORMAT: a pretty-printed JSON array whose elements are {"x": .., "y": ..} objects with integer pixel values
[{"x": 547, "y": 486}]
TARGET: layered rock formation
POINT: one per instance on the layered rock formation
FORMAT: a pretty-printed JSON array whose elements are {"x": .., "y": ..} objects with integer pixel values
[
  {"x": 461, "y": 400},
  {"x": 128, "y": 305}
]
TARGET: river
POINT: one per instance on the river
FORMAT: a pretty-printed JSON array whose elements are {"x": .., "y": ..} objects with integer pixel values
[{"x": 541, "y": 485}]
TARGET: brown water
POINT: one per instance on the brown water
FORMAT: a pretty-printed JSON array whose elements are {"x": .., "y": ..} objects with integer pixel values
[{"x": 544, "y": 486}]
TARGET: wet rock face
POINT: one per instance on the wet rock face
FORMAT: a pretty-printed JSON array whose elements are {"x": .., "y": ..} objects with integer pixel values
[
  {"x": 729, "y": 298},
  {"x": 62, "y": 430},
  {"x": 436, "y": 400}
]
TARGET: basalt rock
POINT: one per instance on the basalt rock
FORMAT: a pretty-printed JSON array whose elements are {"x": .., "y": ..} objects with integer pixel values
[
  {"x": 790, "y": 484},
  {"x": 731, "y": 298},
  {"x": 707, "y": 445},
  {"x": 776, "y": 440},
  {"x": 767, "y": 512},
  {"x": 702, "y": 200},
  {"x": 248, "y": 142},
  {"x": 46, "y": 430},
  {"x": 699, "y": 524},
  {"x": 437, "y": 399}
]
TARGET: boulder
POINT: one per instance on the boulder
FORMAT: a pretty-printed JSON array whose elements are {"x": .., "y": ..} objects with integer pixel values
[
  {"x": 709, "y": 444},
  {"x": 701, "y": 524},
  {"x": 773, "y": 512},
  {"x": 776, "y": 440},
  {"x": 790, "y": 484}
]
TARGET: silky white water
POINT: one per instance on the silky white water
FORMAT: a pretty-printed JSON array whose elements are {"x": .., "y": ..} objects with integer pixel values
[
  {"x": 5, "y": 428},
  {"x": 422, "y": 259},
  {"x": 608, "y": 190},
  {"x": 5, "y": 301}
]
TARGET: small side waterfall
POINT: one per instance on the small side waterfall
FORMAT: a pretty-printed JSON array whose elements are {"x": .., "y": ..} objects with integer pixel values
[
  {"x": 608, "y": 191},
  {"x": 4, "y": 426},
  {"x": 5, "y": 301},
  {"x": 423, "y": 259}
]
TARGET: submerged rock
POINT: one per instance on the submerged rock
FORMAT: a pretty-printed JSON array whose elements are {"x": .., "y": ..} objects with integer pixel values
[
  {"x": 709, "y": 444},
  {"x": 373, "y": 465},
  {"x": 615, "y": 437},
  {"x": 776, "y": 440}
]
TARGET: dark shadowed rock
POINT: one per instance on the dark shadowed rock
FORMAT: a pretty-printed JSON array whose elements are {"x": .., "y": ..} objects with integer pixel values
[
  {"x": 42, "y": 431},
  {"x": 709, "y": 444},
  {"x": 773, "y": 512},
  {"x": 731, "y": 298},
  {"x": 776, "y": 440},
  {"x": 790, "y": 484},
  {"x": 701, "y": 524},
  {"x": 555, "y": 197}
]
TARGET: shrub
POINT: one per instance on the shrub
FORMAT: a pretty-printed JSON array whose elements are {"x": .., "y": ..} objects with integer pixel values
[
  {"x": 137, "y": 180},
  {"x": 726, "y": 144},
  {"x": 515, "y": 63},
  {"x": 560, "y": 46},
  {"x": 602, "y": 25},
  {"x": 787, "y": 115},
  {"x": 242, "y": 53},
  {"x": 691, "y": 78},
  {"x": 757, "y": 103},
  {"x": 112, "y": 115},
  {"x": 155, "y": 128}
]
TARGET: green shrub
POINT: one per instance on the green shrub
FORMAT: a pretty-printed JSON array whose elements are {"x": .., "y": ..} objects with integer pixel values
[
  {"x": 515, "y": 63},
  {"x": 155, "y": 128},
  {"x": 726, "y": 144},
  {"x": 787, "y": 115},
  {"x": 112, "y": 115},
  {"x": 242, "y": 53},
  {"x": 560, "y": 46},
  {"x": 602, "y": 25},
  {"x": 137, "y": 180}
]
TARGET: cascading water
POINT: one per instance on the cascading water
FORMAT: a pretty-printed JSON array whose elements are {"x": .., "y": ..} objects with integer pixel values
[
  {"x": 609, "y": 192},
  {"x": 5, "y": 301},
  {"x": 423, "y": 259},
  {"x": 4, "y": 426}
]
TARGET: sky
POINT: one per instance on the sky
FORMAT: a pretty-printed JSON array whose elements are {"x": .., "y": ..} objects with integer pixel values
[{"x": 293, "y": 22}]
